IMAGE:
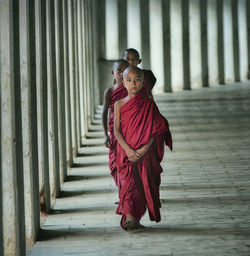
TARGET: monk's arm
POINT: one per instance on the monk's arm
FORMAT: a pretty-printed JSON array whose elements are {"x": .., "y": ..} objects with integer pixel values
[
  {"x": 131, "y": 154},
  {"x": 106, "y": 102}
]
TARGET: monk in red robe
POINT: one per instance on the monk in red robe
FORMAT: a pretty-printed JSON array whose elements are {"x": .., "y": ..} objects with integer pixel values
[
  {"x": 111, "y": 96},
  {"x": 141, "y": 132}
]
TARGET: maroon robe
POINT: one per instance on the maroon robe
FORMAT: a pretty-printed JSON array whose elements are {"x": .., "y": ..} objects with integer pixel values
[
  {"x": 140, "y": 181},
  {"x": 119, "y": 93}
]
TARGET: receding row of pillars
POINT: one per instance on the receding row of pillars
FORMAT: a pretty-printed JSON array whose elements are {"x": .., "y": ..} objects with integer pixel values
[
  {"x": 49, "y": 92},
  {"x": 188, "y": 44}
]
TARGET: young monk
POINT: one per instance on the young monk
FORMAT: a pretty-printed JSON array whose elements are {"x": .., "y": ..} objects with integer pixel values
[
  {"x": 141, "y": 132},
  {"x": 111, "y": 95},
  {"x": 132, "y": 56}
]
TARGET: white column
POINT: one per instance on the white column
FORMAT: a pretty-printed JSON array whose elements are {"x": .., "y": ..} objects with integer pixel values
[
  {"x": 72, "y": 75},
  {"x": 85, "y": 68},
  {"x": 134, "y": 25},
  {"x": 156, "y": 43},
  {"x": 52, "y": 102},
  {"x": 12, "y": 190},
  {"x": 195, "y": 44},
  {"x": 112, "y": 40},
  {"x": 81, "y": 66},
  {"x": 69, "y": 151},
  {"x": 61, "y": 89},
  {"x": 243, "y": 49},
  {"x": 42, "y": 109},
  {"x": 228, "y": 41},
  {"x": 88, "y": 68},
  {"x": 92, "y": 60},
  {"x": 213, "y": 73},
  {"x": 29, "y": 119},
  {"x": 176, "y": 45}
]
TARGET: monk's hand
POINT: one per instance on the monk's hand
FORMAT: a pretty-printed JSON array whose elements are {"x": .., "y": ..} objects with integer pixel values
[
  {"x": 131, "y": 154},
  {"x": 141, "y": 152},
  {"x": 107, "y": 141}
]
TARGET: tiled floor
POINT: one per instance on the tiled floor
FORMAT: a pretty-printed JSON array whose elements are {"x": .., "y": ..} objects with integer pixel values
[{"x": 205, "y": 189}]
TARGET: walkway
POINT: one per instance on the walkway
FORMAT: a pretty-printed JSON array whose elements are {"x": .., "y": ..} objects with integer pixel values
[{"x": 205, "y": 187}]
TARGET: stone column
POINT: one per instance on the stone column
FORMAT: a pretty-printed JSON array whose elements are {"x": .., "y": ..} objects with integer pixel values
[
  {"x": 166, "y": 45},
  {"x": 122, "y": 26},
  {"x": 212, "y": 41},
  {"x": 91, "y": 33},
  {"x": 42, "y": 106},
  {"x": 248, "y": 35},
  {"x": 236, "y": 59},
  {"x": 243, "y": 50},
  {"x": 185, "y": 44},
  {"x": 69, "y": 151},
  {"x": 220, "y": 37},
  {"x": 204, "y": 42},
  {"x": 60, "y": 88},
  {"x": 76, "y": 35},
  {"x": 145, "y": 36},
  {"x": 112, "y": 39},
  {"x": 81, "y": 68},
  {"x": 88, "y": 68},
  {"x": 52, "y": 101},
  {"x": 195, "y": 63},
  {"x": 95, "y": 52},
  {"x": 176, "y": 45},
  {"x": 156, "y": 44},
  {"x": 228, "y": 41},
  {"x": 29, "y": 119},
  {"x": 12, "y": 190},
  {"x": 85, "y": 68},
  {"x": 133, "y": 25},
  {"x": 72, "y": 75}
]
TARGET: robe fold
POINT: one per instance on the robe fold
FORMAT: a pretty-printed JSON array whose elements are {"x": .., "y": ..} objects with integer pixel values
[
  {"x": 119, "y": 93},
  {"x": 140, "y": 120}
]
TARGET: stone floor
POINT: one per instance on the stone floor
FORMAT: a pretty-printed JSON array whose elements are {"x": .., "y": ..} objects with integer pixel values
[{"x": 205, "y": 189}]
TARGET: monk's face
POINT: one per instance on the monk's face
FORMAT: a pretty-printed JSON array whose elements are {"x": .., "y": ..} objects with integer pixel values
[
  {"x": 118, "y": 71},
  {"x": 132, "y": 59},
  {"x": 133, "y": 82}
]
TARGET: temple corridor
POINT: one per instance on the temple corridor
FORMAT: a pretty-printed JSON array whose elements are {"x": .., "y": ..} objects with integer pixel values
[
  {"x": 205, "y": 190},
  {"x": 56, "y": 193}
]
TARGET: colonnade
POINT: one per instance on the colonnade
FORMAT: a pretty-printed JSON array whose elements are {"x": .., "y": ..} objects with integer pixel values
[
  {"x": 188, "y": 44},
  {"x": 49, "y": 92},
  {"x": 55, "y": 61}
]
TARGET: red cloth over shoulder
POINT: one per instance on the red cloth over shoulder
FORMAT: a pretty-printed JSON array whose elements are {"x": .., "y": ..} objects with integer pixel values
[
  {"x": 119, "y": 93},
  {"x": 149, "y": 81},
  {"x": 141, "y": 120}
]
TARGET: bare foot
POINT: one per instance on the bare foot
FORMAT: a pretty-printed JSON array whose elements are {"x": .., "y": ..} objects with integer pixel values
[{"x": 130, "y": 222}]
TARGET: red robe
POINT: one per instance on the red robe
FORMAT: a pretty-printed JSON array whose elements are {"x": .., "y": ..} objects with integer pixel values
[
  {"x": 119, "y": 93},
  {"x": 140, "y": 120}
]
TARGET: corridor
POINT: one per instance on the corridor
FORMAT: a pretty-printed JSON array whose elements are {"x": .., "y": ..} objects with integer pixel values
[
  {"x": 56, "y": 59},
  {"x": 205, "y": 190}
]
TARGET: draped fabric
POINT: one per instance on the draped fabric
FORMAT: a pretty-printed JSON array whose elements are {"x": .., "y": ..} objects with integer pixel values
[
  {"x": 119, "y": 93},
  {"x": 149, "y": 81},
  {"x": 140, "y": 120}
]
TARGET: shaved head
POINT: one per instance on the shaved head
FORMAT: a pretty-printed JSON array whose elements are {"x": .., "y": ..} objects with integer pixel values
[
  {"x": 133, "y": 51},
  {"x": 133, "y": 70},
  {"x": 121, "y": 62}
]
